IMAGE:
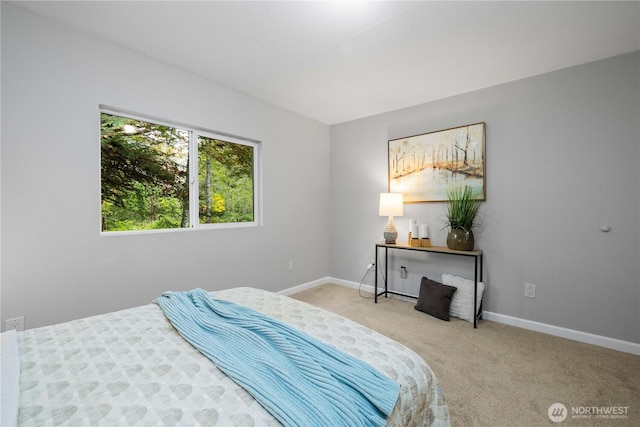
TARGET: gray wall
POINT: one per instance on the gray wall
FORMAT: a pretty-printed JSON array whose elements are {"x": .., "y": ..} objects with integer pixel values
[
  {"x": 562, "y": 158},
  {"x": 55, "y": 264}
]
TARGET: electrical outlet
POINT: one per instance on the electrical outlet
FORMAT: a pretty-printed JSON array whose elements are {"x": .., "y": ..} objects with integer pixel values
[
  {"x": 371, "y": 265},
  {"x": 403, "y": 272},
  {"x": 15, "y": 323},
  {"x": 290, "y": 265},
  {"x": 529, "y": 290}
]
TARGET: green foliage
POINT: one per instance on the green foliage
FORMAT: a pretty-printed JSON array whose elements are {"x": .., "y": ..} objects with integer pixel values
[
  {"x": 463, "y": 206},
  {"x": 225, "y": 172},
  {"x": 144, "y": 174},
  {"x": 145, "y": 171}
]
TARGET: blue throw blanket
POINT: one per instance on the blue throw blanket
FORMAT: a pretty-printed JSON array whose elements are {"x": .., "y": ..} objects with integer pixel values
[{"x": 301, "y": 381}]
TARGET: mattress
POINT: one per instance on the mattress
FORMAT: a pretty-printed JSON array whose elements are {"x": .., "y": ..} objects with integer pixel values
[{"x": 132, "y": 368}]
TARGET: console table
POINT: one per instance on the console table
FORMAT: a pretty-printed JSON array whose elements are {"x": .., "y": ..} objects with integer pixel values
[{"x": 476, "y": 254}]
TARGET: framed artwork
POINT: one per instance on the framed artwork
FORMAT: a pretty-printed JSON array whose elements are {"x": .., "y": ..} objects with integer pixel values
[{"x": 424, "y": 167}]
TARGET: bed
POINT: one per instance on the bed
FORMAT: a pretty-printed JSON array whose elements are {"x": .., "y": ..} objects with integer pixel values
[{"x": 132, "y": 368}]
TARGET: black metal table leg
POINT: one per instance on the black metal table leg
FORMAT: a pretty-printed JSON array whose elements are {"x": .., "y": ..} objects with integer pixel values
[
  {"x": 386, "y": 270},
  {"x": 375, "y": 270},
  {"x": 475, "y": 294}
]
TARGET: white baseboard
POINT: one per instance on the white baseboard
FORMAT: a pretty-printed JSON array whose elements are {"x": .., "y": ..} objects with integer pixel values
[
  {"x": 323, "y": 281},
  {"x": 585, "y": 337},
  {"x": 305, "y": 286}
]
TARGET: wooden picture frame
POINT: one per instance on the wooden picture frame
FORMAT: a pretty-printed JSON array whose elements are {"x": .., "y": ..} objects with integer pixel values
[{"x": 424, "y": 167}]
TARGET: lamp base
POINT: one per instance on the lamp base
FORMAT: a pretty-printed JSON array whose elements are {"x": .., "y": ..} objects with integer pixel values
[
  {"x": 390, "y": 238},
  {"x": 390, "y": 232}
]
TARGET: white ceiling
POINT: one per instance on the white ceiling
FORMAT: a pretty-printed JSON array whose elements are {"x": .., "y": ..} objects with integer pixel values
[{"x": 341, "y": 60}]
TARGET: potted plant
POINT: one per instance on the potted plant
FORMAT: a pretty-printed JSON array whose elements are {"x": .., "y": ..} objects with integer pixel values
[{"x": 461, "y": 212}]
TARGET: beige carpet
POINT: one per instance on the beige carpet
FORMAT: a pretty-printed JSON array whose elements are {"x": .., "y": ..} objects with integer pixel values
[{"x": 499, "y": 375}]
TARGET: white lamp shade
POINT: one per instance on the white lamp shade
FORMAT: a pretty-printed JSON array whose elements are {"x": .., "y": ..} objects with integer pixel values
[{"x": 391, "y": 204}]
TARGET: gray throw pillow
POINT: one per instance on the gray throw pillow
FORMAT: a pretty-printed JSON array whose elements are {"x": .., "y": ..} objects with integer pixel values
[{"x": 435, "y": 298}]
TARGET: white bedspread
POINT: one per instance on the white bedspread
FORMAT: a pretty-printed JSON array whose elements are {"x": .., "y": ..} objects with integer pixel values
[
  {"x": 131, "y": 368},
  {"x": 9, "y": 377}
]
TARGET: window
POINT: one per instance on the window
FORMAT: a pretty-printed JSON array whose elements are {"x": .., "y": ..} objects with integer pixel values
[{"x": 156, "y": 176}]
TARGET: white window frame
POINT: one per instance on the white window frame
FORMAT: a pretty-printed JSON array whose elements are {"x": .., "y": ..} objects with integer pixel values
[{"x": 194, "y": 203}]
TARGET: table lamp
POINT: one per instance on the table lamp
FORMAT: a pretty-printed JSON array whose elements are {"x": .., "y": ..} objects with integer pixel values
[{"x": 391, "y": 204}]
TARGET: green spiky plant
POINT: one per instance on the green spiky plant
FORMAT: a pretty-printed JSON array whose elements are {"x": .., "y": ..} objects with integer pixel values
[{"x": 464, "y": 203}]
